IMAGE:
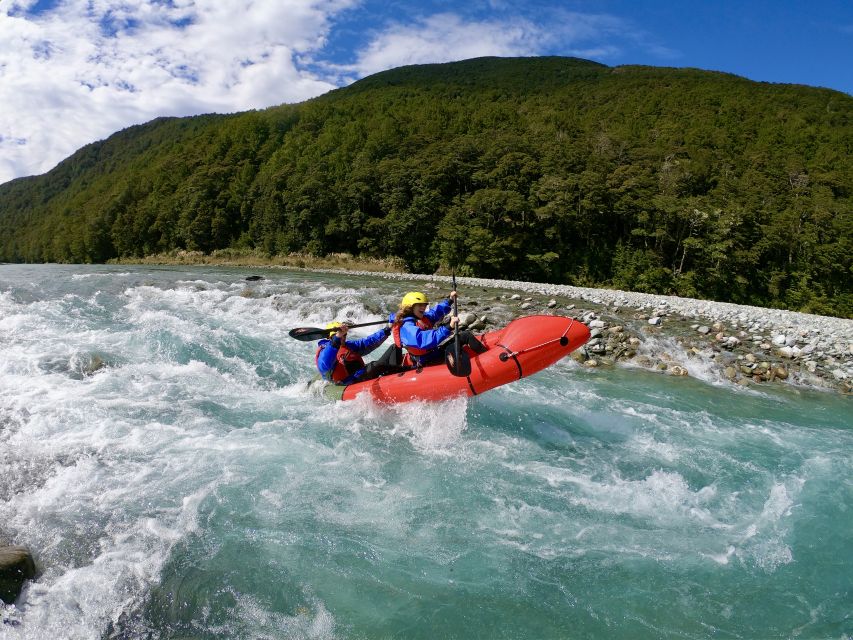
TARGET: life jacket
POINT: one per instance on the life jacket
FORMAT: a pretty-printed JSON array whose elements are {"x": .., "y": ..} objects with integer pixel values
[
  {"x": 414, "y": 353},
  {"x": 347, "y": 362}
]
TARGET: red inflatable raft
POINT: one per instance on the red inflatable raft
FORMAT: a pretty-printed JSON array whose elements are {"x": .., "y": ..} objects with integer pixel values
[{"x": 520, "y": 349}]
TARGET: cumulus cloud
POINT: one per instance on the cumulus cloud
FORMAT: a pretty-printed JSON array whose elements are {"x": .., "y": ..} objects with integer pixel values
[
  {"x": 448, "y": 36},
  {"x": 445, "y": 37},
  {"x": 84, "y": 69}
]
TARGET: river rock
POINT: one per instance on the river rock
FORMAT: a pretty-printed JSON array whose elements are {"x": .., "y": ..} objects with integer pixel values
[
  {"x": 16, "y": 565},
  {"x": 467, "y": 319}
]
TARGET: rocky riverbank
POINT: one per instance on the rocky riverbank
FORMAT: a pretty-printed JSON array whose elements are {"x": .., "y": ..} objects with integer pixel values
[{"x": 717, "y": 341}]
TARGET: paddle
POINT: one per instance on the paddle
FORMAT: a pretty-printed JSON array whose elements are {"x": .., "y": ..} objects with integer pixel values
[
  {"x": 458, "y": 361},
  {"x": 307, "y": 334}
]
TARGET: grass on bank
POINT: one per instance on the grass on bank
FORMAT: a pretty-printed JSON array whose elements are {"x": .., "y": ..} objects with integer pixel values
[{"x": 250, "y": 258}]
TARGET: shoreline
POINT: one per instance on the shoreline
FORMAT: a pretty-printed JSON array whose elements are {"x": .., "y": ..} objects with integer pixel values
[{"x": 742, "y": 344}]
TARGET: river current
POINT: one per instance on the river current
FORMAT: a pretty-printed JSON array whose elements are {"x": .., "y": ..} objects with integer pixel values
[{"x": 163, "y": 458}]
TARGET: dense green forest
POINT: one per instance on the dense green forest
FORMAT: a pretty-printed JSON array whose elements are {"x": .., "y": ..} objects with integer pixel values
[{"x": 661, "y": 180}]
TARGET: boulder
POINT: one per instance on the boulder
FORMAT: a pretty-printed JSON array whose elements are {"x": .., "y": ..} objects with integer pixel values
[
  {"x": 467, "y": 319},
  {"x": 16, "y": 565}
]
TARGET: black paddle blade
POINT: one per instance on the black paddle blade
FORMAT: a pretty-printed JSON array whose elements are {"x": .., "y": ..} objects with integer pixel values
[
  {"x": 460, "y": 368},
  {"x": 308, "y": 334}
]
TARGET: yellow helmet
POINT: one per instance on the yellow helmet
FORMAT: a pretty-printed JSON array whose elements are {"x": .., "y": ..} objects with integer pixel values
[
  {"x": 333, "y": 328},
  {"x": 412, "y": 298}
]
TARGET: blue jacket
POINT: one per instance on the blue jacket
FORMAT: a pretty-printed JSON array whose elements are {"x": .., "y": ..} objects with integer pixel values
[
  {"x": 428, "y": 339},
  {"x": 327, "y": 357}
]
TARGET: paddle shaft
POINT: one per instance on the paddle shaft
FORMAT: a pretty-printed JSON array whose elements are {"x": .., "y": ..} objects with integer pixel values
[
  {"x": 307, "y": 334},
  {"x": 456, "y": 315}
]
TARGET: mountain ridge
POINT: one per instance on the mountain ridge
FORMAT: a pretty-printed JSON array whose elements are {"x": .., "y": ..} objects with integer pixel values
[{"x": 664, "y": 180}]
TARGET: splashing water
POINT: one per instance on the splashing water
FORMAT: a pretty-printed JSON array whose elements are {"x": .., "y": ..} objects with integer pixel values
[{"x": 165, "y": 460}]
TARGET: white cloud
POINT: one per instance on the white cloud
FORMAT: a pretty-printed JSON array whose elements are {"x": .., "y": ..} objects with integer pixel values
[
  {"x": 446, "y": 37},
  {"x": 87, "y": 68}
]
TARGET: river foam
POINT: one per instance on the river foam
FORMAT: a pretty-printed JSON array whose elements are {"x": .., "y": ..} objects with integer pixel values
[{"x": 194, "y": 465}]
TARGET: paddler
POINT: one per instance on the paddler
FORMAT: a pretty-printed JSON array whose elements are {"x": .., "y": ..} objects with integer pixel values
[
  {"x": 414, "y": 329},
  {"x": 340, "y": 360}
]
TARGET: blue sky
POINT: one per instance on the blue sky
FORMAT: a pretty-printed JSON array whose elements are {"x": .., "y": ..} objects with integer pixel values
[{"x": 76, "y": 71}]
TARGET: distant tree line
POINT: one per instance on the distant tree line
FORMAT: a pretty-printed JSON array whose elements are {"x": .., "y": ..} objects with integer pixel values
[{"x": 561, "y": 170}]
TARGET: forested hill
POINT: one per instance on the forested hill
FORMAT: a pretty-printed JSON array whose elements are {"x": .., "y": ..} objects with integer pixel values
[{"x": 663, "y": 180}]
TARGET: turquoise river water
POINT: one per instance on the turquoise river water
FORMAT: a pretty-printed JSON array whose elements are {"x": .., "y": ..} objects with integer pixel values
[{"x": 164, "y": 460}]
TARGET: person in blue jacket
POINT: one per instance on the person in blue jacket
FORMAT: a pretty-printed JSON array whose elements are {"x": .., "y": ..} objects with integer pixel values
[
  {"x": 414, "y": 329},
  {"x": 341, "y": 361}
]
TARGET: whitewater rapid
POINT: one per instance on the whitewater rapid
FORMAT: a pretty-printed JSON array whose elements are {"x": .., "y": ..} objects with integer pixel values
[{"x": 163, "y": 457}]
